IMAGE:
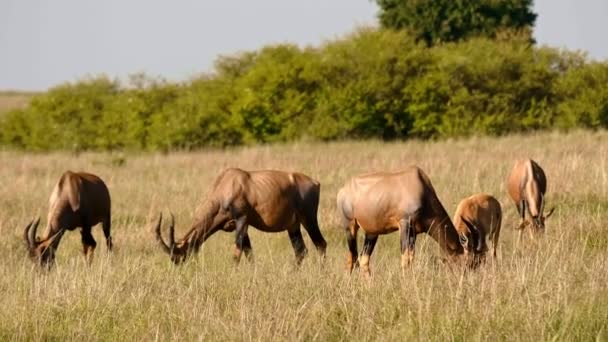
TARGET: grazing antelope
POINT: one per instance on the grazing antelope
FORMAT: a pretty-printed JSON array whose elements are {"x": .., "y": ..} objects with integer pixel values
[
  {"x": 78, "y": 200},
  {"x": 526, "y": 186},
  {"x": 482, "y": 214},
  {"x": 381, "y": 203},
  {"x": 271, "y": 201}
]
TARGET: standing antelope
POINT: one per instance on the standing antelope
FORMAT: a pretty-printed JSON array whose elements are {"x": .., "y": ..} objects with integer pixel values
[
  {"x": 381, "y": 203},
  {"x": 271, "y": 201},
  {"x": 78, "y": 200},
  {"x": 482, "y": 214},
  {"x": 526, "y": 186}
]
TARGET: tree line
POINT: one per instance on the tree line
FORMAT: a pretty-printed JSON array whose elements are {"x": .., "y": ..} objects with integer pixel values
[{"x": 377, "y": 83}]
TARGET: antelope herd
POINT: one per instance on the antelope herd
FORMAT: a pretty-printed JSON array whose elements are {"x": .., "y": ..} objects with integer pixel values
[{"x": 275, "y": 201}]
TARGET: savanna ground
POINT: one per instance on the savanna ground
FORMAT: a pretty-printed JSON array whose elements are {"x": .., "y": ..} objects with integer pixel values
[{"x": 557, "y": 289}]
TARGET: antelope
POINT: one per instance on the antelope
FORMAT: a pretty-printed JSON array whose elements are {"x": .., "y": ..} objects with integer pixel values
[
  {"x": 381, "y": 203},
  {"x": 527, "y": 185},
  {"x": 480, "y": 213},
  {"x": 271, "y": 201},
  {"x": 79, "y": 199}
]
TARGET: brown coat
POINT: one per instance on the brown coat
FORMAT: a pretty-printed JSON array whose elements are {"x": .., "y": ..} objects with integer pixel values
[
  {"x": 526, "y": 186},
  {"x": 485, "y": 214},
  {"x": 383, "y": 202},
  {"x": 271, "y": 201},
  {"x": 79, "y": 199}
]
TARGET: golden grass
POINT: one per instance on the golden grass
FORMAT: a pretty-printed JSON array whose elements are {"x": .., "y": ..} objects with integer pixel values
[
  {"x": 557, "y": 290},
  {"x": 10, "y": 100}
]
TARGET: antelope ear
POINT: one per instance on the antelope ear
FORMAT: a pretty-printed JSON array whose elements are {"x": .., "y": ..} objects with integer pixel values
[{"x": 550, "y": 213}]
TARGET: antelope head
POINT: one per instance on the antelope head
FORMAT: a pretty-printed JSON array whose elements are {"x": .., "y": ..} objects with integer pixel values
[
  {"x": 42, "y": 252},
  {"x": 538, "y": 222},
  {"x": 473, "y": 243},
  {"x": 179, "y": 251}
]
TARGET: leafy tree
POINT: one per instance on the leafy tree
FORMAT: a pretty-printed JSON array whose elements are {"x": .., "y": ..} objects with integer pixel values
[
  {"x": 375, "y": 83},
  {"x": 453, "y": 20}
]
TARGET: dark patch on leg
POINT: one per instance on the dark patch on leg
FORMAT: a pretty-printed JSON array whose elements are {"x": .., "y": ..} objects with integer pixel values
[
  {"x": 369, "y": 244},
  {"x": 521, "y": 209},
  {"x": 522, "y": 214},
  {"x": 312, "y": 227},
  {"x": 299, "y": 247},
  {"x": 88, "y": 243},
  {"x": 106, "y": 225},
  {"x": 247, "y": 248},
  {"x": 351, "y": 239},
  {"x": 368, "y": 248},
  {"x": 407, "y": 240},
  {"x": 239, "y": 242}
]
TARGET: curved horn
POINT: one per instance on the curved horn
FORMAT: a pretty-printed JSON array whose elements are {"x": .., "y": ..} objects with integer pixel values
[
  {"x": 463, "y": 239},
  {"x": 475, "y": 233},
  {"x": 159, "y": 237},
  {"x": 470, "y": 225},
  {"x": 31, "y": 238},
  {"x": 542, "y": 204},
  {"x": 26, "y": 235},
  {"x": 172, "y": 231},
  {"x": 550, "y": 213},
  {"x": 54, "y": 240}
]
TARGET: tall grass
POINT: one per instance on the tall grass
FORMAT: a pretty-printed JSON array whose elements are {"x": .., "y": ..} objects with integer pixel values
[{"x": 555, "y": 290}]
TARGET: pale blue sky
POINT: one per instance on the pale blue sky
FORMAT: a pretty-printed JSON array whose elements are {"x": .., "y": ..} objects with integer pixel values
[{"x": 46, "y": 42}]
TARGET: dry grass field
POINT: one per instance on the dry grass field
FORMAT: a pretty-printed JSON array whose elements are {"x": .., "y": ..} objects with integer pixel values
[
  {"x": 556, "y": 290},
  {"x": 13, "y": 100}
]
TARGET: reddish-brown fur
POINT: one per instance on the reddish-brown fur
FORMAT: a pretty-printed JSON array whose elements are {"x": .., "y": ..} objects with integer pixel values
[
  {"x": 381, "y": 203},
  {"x": 484, "y": 213},
  {"x": 271, "y": 201},
  {"x": 526, "y": 186},
  {"x": 79, "y": 199}
]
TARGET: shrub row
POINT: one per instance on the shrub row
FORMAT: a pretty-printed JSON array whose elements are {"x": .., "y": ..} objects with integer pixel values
[{"x": 371, "y": 84}]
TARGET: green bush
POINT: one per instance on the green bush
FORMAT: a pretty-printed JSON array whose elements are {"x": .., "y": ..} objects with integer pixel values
[{"x": 372, "y": 84}]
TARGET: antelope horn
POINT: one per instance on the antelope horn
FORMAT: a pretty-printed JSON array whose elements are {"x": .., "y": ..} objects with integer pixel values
[
  {"x": 159, "y": 237},
  {"x": 550, "y": 213},
  {"x": 469, "y": 224},
  {"x": 26, "y": 234},
  {"x": 56, "y": 238},
  {"x": 30, "y": 233},
  {"x": 172, "y": 231},
  {"x": 475, "y": 233},
  {"x": 542, "y": 204}
]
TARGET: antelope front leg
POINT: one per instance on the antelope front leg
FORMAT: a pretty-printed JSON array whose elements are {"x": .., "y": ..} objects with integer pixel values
[
  {"x": 522, "y": 213},
  {"x": 368, "y": 249},
  {"x": 408, "y": 242},
  {"x": 241, "y": 240},
  {"x": 351, "y": 239}
]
